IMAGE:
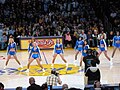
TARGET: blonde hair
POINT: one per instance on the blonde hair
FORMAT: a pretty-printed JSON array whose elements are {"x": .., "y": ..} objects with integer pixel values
[{"x": 10, "y": 40}]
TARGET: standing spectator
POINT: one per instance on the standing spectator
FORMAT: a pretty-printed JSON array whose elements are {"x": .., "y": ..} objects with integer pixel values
[
  {"x": 33, "y": 86},
  {"x": 54, "y": 78},
  {"x": 68, "y": 39},
  {"x": 95, "y": 37},
  {"x": 66, "y": 29},
  {"x": 90, "y": 59},
  {"x": 3, "y": 41}
]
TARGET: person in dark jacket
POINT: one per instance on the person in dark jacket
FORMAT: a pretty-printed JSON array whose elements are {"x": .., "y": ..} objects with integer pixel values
[
  {"x": 93, "y": 74},
  {"x": 33, "y": 86},
  {"x": 90, "y": 59}
]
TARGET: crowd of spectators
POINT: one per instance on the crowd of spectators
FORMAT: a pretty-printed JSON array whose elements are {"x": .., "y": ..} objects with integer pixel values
[{"x": 24, "y": 18}]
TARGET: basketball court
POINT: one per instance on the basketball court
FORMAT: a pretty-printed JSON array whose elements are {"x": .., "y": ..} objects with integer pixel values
[{"x": 72, "y": 76}]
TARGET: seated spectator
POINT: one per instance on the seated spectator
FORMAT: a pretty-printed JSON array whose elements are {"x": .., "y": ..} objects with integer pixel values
[
  {"x": 98, "y": 86},
  {"x": 54, "y": 78},
  {"x": 74, "y": 89},
  {"x": 83, "y": 35},
  {"x": 1, "y": 86},
  {"x": 110, "y": 36},
  {"x": 33, "y": 86},
  {"x": 90, "y": 39},
  {"x": 93, "y": 74},
  {"x": 19, "y": 88},
  {"x": 64, "y": 87},
  {"x": 44, "y": 86}
]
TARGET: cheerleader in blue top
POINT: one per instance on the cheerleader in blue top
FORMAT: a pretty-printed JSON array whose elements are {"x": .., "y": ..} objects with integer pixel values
[
  {"x": 116, "y": 43},
  {"x": 58, "y": 50},
  {"x": 11, "y": 51},
  {"x": 103, "y": 47},
  {"x": 31, "y": 44},
  {"x": 85, "y": 48},
  {"x": 78, "y": 47},
  {"x": 35, "y": 54}
]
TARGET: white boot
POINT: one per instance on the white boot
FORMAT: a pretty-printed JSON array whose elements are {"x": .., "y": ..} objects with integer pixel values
[
  {"x": 5, "y": 67},
  {"x": 111, "y": 63},
  {"x": 43, "y": 70},
  {"x": 21, "y": 66},
  {"x": 75, "y": 62},
  {"x": 66, "y": 64},
  {"x": 27, "y": 70},
  {"x": 52, "y": 64}
]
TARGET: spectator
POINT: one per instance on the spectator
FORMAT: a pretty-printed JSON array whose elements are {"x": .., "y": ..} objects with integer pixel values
[
  {"x": 93, "y": 74},
  {"x": 98, "y": 86},
  {"x": 3, "y": 41},
  {"x": 44, "y": 86},
  {"x": 19, "y": 88},
  {"x": 33, "y": 86},
  {"x": 1, "y": 86},
  {"x": 68, "y": 39},
  {"x": 90, "y": 59},
  {"x": 83, "y": 35},
  {"x": 95, "y": 37},
  {"x": 54, "y": 78},
  {"x": 64, "y": 87},
  {"x": 110, "y": 38},
  {"x": 90, "y": 39}
]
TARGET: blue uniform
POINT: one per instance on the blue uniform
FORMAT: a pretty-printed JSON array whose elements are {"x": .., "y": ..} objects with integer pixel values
[
  {"x": 103, "y": 46},
  {"x": 11, "y": 46},
  {"x": 35, "y": 53},
  {"x": 86, "y": 47},
  {"x": 30, "y": 46},
  {"x": 58, "y": 48},
  {"x": 79, "y": 45},
  {"x": 116, "y": 41}
]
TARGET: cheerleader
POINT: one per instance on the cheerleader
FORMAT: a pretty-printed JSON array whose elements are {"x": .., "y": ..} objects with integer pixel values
[
  {"x": 78, "y": 47},
  {"x": 58, "y": 50},
  {"x": 85, "y": 48},
  {"x": 35, "y": 54},
  {"x": 103, "y": 47},
  {"x": 31, "y": 44},
  {"x": 11, "y": 51},
  {"x": 116, "y": 43}
]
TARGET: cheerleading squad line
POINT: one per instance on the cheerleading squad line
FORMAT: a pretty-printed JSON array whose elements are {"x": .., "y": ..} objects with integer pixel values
[{"x": 80, "y": 47}]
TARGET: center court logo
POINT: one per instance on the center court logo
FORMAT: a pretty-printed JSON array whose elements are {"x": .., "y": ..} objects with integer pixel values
[{"x": 36, "y": 71}]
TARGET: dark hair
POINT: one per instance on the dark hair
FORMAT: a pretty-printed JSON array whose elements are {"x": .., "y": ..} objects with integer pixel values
[
  {"x": 95, "y": 83},
  {"x": 1, "y": 86},
  {"x": 80, "y": 37},
  {"x": 44, "y": 86},
  {"x": 89, "y": 51},
  {"x": 19, "y": 88},
  {"x": 53, "y": 71},
  {"x": 94, "y": 52}
]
